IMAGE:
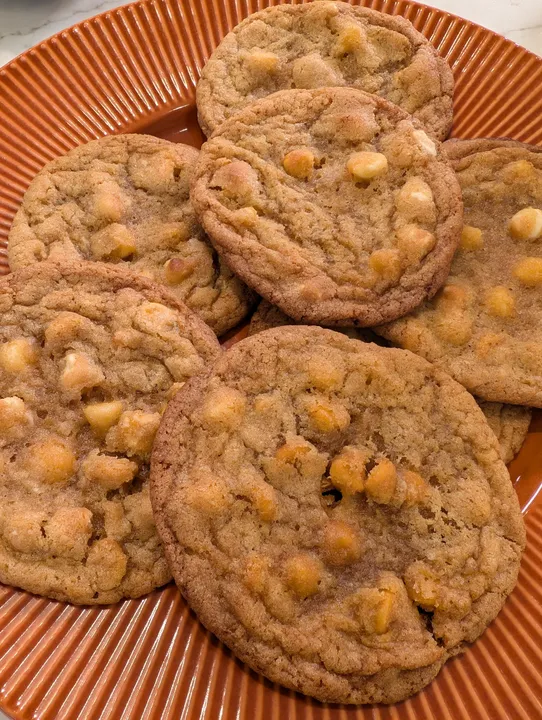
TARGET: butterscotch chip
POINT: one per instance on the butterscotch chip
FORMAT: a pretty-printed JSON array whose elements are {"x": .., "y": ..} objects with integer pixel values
[
  {"x": 247, "y": 217},
  {"x": 382, "y": 481},
  {"x": 376, "y": 608},
  {"x": 455, "y": 329},
  {"x": 299, "y": 163},
  {"x": 134, "y": 433},
  {"x": 52, "y": 461},
  {"x": 342, "y": 544},
  {"x": 262, "y": 64},
  {"x": 529, "y": 271},
  {"x": 422, "y": 586},
  {"x": 14, "y": 416},
  {"x": 209, "y": 495},
  {"x": 225, "y": 407},
  {"x": 115, "y": 241},
  {"x": 125, "y": 200},
  {"x": 351, "y": 38},
  {"x": 356, "y": 219},
  {"x": 80, "y": 372},
  {"x": 406, "y": 509},
  {"x": 386, "y": 262},
  {"x": 101, "y": 416},
  {"x": 490, "y": 341},
  {"x": 367, "y": 165},
  {"x": 256, "y": 573},
  {"x": 415, "y": 201},
  {"x": 348, "y": 471},
  {"x": 108, "y": 203},
  {"x": 109, "y": 471},
  {"x": 312, "y": 71},
  {"x": 178, "y": 269},
  {"x": 471, "y": 238},
  {"x": 93, "y": 353},
  {"x": 291, "y": 451},
  {"x": 499, "y": 301},
  {"x": 325, "y": 44},
  {"x": 303, "y": 575},
  {"x": 326, "y": 417},
  {"x": 527, "y": 223},
  {"x": 325, "y": 373},
  {"x": 416, "y": 488},
  {"x": 452, "y": 296},
  {"x": 414, "y": 242},
  {"x": 264, "y": 498},
  {"x": 18, "y": 355}
]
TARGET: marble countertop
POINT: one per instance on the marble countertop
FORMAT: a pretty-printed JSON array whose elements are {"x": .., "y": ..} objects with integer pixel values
[{"x": 25, "y": 23}]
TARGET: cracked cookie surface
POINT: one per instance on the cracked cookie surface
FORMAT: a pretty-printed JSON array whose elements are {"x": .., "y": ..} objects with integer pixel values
[
  {"x": 89, "y": 356},
  {"x": 510, "y": 423},
  {"x": 326, "y": 44},
  {"x": 333, "y": 204},
  {"x": 125, "y": 199},
  {"x": 485, "y": 325},
  {"x": 335, "y": 512}
]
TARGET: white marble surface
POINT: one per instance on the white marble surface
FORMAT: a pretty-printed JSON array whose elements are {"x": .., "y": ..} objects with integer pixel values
[{"x": 24, "y": 23}]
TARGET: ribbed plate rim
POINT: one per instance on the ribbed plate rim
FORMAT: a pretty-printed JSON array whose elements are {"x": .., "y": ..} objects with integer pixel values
[{"x": 46, "y": 46}]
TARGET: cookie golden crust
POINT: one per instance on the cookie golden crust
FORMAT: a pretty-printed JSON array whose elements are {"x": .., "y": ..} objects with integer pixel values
[
  {"x": 333, "y": 204},
  {"x": 89, "y": 356},
  {"x": 510, "y": 423},
  {"x": 125, "y": 200},
  {"x": 485, "y": 325},
  {"x": 337, "y": 513},
  {"x": 325, "y": 44}
]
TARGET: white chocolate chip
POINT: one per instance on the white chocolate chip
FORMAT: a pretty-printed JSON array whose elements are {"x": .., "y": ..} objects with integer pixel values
[{"x": 425, "y": 143}]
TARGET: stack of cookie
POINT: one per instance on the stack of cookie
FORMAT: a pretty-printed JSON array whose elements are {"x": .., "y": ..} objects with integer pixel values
[{"x": 335, "y": 509}]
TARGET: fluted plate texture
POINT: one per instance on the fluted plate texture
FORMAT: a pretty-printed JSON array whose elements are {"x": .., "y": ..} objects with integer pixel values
[{"x": 134, "y": 69}]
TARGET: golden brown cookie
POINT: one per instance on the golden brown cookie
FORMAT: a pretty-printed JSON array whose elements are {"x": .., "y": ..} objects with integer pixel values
[
  {"x": 337, "y": 513},
  {"x": 485, "y": 325},
  {"x": 510, "y": 423},
  {"x": 333, "y": 204},
  {"x": 125, "y": 200},
  {"x": 326, "y": 44},
  {"x": 89, "y": 356}
]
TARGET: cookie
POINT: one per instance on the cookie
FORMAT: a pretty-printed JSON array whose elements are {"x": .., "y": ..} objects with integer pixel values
[
  {"x": 485, "y": 326},
  {"x": 510, "y": 423},
  {"x": 337, "y": 513},
  {"x": 332, "y": 204},
  {"x": 267, "y": 316},
  {"x": 457, "y": 149},
  {"x": 325, "y": 44},
  {"x": 125, "y": 200},
  {"x": 89, "y": 356}
]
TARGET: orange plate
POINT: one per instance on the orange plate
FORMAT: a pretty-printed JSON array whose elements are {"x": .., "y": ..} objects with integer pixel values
[{"x": 134, "y": 69}]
